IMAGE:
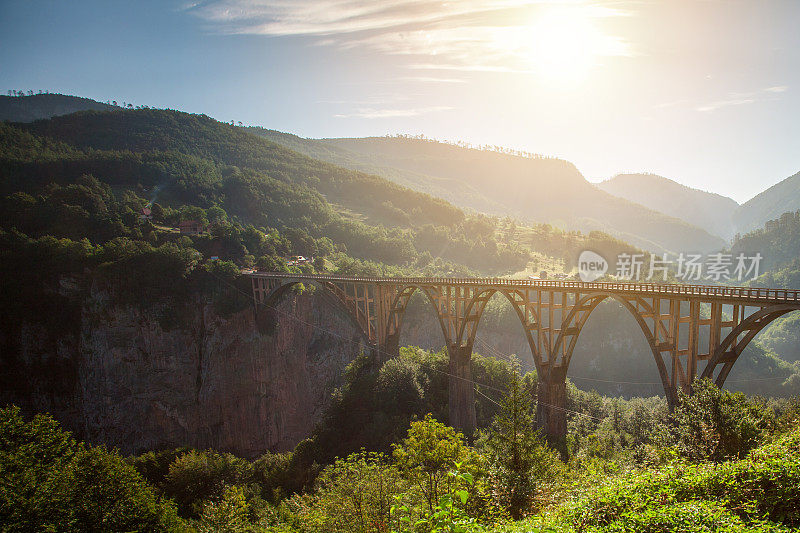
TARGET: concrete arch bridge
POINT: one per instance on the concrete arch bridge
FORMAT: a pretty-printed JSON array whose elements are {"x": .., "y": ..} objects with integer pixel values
[{"x": 552, "y": 314}]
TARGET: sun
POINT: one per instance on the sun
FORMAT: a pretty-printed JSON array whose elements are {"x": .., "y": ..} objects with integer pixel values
[{"x": 562, "y": 43}]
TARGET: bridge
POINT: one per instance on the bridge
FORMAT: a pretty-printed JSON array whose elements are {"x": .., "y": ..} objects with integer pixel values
[{"x": 673, "y": 319}]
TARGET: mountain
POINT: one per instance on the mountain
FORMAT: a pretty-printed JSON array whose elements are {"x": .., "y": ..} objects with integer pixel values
[
  {"x": 534, "y": 189},
  {"x": 182, "y": 159},
  {"x": 707, "y": 210},
  {"x": 132, "y": 333},
  {"x": 451, "y": 189},
  {"x": 778, "y": 242},
  {"x": 39, "y": 106},
  {"x": 781, "y": 198}
]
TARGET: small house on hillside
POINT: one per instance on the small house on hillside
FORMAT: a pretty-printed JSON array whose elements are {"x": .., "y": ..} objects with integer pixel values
[
  {"x": 298, "y": 260},
  {"x": 191, "y": 227},
  {"x": 145, "y": 214}
]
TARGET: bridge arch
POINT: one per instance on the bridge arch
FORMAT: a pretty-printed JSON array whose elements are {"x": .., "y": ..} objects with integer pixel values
[
  {"x": 577, "y": 317},
  {"x": 329, "y": 293},
  {"x": 476, "y": 307},
  {"x": 729, "y": 350},
  {"x": 400, "y": 303}
]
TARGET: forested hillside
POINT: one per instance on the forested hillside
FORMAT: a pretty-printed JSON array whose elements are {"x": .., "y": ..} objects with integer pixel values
[
  {"x": 779, "y": 244},
  {"x": 39, "y": 106},
  {"x": 534, "y": 188},
  {"x": 176, "y": 158}
]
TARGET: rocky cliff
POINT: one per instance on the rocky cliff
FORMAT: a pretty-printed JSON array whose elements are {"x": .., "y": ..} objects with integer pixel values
[{"x": 247, "y": 382}]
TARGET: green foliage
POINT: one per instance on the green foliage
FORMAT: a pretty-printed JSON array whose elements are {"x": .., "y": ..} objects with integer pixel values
[
  {"x": 52, "y": 483},
  {"x": 427, "y": 455},
  {"x": 778, "y": 242},
  {"x": 354, "y": 494},
  {"x": 197, "y": 477},
  {"x": 447, "y": 516},
  {"x": 229, "y": 513},
  {"x": 373, "y": 409},
  {"x": 783, "y": 335},
  {"x": 519, "y": 457},
  {"x": 716, "y": 425},
  {"x": 740, "y": 494}
]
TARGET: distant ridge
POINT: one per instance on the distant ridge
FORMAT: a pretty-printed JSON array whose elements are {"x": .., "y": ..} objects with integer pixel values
[
  {"x": 710, "y": 211},
  {"x": 532, "y": 189},
  {"x": 783, "y": 197},
  {"x": 40, "y": 106},
  {"x": 545, "y": 190}
]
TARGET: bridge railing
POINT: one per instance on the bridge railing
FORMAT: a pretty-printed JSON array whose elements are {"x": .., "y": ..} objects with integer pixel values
[{"x": 751, "y": 293}]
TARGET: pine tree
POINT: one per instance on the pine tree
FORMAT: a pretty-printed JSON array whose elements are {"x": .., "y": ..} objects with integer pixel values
[{"x": 520, "y": 458}]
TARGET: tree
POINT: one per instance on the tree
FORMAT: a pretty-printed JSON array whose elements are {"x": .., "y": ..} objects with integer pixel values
[
  {"x": 201, "y": 476},
  {"x": 429, "y": 452},
  {"x": 52, "y": 483},
  {"x": 356, "y": 494},
  {"x": 216, "y": 215},
  {"x": 520, "y": 459},
  {"x": 228, "y": 513},
  {"x": 716, "y": 424}
]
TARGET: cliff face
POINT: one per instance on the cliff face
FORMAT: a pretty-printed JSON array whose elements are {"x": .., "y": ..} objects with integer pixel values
[{"x": 244, "y": 383}]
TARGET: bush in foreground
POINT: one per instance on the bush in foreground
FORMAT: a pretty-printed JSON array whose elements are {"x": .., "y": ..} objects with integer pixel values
[{"x": 49, "y": 482}]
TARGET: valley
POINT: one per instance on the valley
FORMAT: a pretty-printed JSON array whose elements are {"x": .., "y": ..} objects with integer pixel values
[{"x": 141, "y": 337}]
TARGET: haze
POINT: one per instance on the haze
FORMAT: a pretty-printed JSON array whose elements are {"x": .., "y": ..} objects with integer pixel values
[{"x": 702, "y": 92}]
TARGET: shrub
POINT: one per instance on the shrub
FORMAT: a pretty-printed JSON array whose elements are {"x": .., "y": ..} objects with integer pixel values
[
  {"x": 48, "y": 482},
  {"x": 764, "y": 486},
  {"x": 429, "y": 452},
  {"x": 229, "y": 513},
  {"x": 197, "y": 477},
  {"x": 353, "y": 495},
  {"x": 717, "y": 424}
]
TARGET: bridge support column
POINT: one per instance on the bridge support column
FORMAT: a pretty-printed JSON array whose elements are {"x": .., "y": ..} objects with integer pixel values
[
  {"x": 551, "y": 414},
  {"x": 461, "y": 392},
  {"x": 389, "y": 348}
]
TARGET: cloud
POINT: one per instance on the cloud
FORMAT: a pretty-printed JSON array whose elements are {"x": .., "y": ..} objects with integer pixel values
[
  {"x": 713, "y": 106},
  {"x": 392, "y": 113},
  {"x": 331, "y": 17},
  {"x": 736, "y": 99},
  {"x": 469, "y": 35},
  {"x": 432, "y": 79}
]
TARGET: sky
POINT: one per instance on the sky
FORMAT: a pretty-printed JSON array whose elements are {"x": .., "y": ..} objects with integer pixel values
[{"x": 705, "y": 92}]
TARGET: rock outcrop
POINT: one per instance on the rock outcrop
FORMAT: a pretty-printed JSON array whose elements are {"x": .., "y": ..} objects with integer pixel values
[{"x": 245, "y": 383}]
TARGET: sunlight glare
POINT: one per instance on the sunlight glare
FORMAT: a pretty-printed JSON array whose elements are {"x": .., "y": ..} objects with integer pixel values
[{"x": 562, "y": 43}]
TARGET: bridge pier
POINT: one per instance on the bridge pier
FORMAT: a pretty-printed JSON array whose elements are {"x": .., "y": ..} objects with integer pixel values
[
  {"x": 389, "y": 348},
  {"x": 551, "y": 414},
  {"x": 461, "y": 391}
]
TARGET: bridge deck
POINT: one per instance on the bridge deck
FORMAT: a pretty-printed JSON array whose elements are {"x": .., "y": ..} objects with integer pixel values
[{"x": 738, "y": 294}]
